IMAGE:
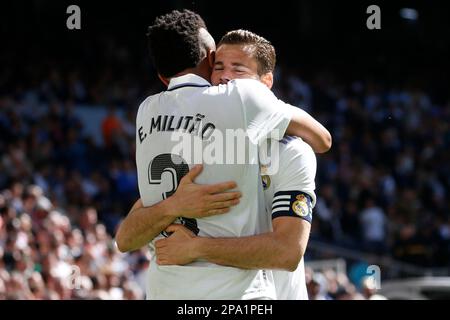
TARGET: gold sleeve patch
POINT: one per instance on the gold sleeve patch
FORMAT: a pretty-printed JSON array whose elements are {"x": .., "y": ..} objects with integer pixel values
[
  {"x": 300, "y": 206},
  {"x": 265, "y": 181}
]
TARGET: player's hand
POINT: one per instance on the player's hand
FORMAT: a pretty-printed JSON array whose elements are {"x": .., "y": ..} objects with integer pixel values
[
  {"x": 193, "y": 200},
  {"x": 178, "y": 248}
]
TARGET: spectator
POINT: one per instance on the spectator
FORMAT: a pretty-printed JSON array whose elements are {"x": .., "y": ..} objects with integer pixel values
[
  {"x": 111, "y": 127},
  {"x": 382, "y": 188},
  {"x": 374, "y": 224},
  {"x": 369, "y": 289}
]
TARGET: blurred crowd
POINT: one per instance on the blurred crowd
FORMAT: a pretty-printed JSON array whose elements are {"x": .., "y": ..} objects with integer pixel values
[
  {"x": 48, "y": 252},
  {"x": 329, "y": 284},
  {"x": 382, "y": 189},
  {"x": 384, "y": 186}
]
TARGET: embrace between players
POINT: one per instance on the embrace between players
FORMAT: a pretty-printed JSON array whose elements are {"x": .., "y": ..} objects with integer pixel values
[{"x": 221, "y": 231}]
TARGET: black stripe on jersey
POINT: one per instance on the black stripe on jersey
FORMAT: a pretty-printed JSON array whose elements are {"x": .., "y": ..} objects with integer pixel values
[
  {"x": 292, "y": 204},
  {"x": 184, "y": 85}
]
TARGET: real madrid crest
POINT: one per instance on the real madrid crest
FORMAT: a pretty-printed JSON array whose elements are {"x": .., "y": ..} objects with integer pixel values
[
  {"x": 265, "y": 181},
  {"x": 300, "y": 206}
]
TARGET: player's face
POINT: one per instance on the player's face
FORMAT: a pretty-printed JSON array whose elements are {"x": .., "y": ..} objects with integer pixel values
[{"x": 233, "y": 62}]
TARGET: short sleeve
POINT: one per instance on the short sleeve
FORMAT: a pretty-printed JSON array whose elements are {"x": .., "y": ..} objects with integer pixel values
[
  {"x": 294, "y": 183},
  {"x": 265, "y": 115}
]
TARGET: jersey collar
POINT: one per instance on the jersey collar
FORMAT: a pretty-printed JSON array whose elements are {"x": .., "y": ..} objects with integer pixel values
[{"x": 187, "y": 80}]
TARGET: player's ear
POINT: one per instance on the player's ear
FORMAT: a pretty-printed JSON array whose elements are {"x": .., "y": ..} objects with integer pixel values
[
  {"x": 211, "y": 57},
  {"x": 163, "y": 79},
  {"x": 267, "y": 79}
]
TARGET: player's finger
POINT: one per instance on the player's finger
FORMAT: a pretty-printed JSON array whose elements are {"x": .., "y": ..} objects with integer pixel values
[
  {"x": 224, "y": 204},
  {"x": 214, "y": 212},
  {"x": 162, "y": 262},
  {"x": 221, "y": 187},
  {"x": 160, "y": 243},
  {"x": 225, "y": 196},
  {"x": 160, "y": 254},
  {"x": 174, "y": 227},
  {"x": 193, "y": 173}
]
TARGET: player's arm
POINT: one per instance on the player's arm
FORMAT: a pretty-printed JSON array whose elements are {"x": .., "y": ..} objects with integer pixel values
[
  {"x": 191, "y": 200},
  {"x": 269, "y": 117},
  {"x": 281, "y": 249},
  {"x": 303, "y": 125},
  {"x": 143, "y": 224}
]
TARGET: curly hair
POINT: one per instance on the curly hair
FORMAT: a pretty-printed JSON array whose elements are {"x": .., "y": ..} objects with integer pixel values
[
  {"x": 262, "y": 50},
  {"x": 174, "y": 42}
]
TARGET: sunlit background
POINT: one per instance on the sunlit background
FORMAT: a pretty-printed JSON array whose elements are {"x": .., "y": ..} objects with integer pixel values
[{"x": 68, "y": 101}]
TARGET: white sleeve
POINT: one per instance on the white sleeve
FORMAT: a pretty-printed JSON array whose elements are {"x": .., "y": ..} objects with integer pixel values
[
  {"x": 298, "y": 166},
  {"x": 265, "y": 115},
  {"x": 294, "y": 183}
]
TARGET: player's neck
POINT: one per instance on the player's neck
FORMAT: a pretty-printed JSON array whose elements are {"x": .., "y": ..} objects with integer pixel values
[{"x": 202, "y": 70}]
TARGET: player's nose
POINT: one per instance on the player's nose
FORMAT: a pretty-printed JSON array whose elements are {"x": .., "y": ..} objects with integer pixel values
[{"x": 224, "y": 79}]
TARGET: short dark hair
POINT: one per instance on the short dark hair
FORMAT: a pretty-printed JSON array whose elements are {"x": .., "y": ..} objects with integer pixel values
[
  {"x": 262, "y": 50},
  {"x": 174, "y": 42}
]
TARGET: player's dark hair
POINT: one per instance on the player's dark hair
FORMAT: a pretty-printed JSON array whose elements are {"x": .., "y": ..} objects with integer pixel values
[
  {"x": 262, "y": 49},
  {"x": 174, "y": 42}
]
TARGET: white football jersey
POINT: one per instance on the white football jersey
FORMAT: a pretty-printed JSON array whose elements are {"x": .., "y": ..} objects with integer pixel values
[
  {"x": 183, "y": 126},
  {"x": 287, "y": 192}
]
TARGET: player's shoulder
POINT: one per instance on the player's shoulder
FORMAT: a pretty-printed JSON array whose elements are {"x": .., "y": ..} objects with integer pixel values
[
  {"x": 295, "y": 145},
  {"x": 296, "y": 167},
  {"x": 247, "y": 87},
  {"x": 239, "y": 90},
  {"x": 295, "y": 155},
  {"x": 145, "y": 105},
  {"x": 246, "y": 83}
]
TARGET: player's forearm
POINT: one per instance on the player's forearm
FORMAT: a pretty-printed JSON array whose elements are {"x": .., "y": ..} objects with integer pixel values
[
  {"x": 310, "y": 130},
  {"x": 142, "y": 225},
  {"x": 264, "y": 251}
]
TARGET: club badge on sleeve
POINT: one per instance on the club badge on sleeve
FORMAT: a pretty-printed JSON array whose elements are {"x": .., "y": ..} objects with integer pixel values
[
  {"x": 265, "y": 181},
  {"x": 300, "y": 206},
  {"x": 292, "y": 203}
]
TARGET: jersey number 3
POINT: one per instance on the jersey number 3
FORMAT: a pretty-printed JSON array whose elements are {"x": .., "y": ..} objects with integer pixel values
[{"x": 177, "y": 167}]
